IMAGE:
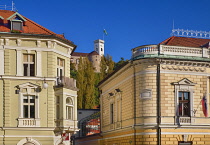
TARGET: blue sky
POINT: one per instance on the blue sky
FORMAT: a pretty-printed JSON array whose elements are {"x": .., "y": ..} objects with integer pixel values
[{"x": 129, "y": 23}]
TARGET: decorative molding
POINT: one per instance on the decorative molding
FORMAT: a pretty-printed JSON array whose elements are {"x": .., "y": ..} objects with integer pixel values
[
  {"x": 38, "y": 49},
  {"x": 38, "y": 43},
  {"x": 18, "y": 42},
  {"x": 183, "y": 68},
  {"x": 6, "y": 41},
  {"x": 1, "y": 41},
  {"x": 49, "y": 44}
]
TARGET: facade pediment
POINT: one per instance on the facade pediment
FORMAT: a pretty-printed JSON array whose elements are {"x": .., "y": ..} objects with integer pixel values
[
  {"x": 184, "y": 81},
  {"x": 16, "y": 15},
  {"x": 27, "y": 85}
]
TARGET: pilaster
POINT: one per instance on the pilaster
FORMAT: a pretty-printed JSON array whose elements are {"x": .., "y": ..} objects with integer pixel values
[
  {"x": 2, "y": 60},
  {"x": 7, "y": 103},
  {"x": 50, "y": 105},
  {"x": 19, "y": 63}
]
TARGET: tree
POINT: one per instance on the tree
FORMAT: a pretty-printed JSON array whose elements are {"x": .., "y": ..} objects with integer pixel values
[
  {"x": 107, "y": 66},
  {"x": 119, "y": 63},
  {"x": 80, "y": 84},
  {"x": 89, "y": 85}
]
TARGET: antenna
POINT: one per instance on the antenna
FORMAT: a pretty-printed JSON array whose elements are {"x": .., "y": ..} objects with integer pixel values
[{"x": 5, "y": 7}]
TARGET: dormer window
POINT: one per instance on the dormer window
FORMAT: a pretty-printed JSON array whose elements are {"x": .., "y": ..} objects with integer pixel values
[
  {"x": 16, "y": 21},
  {"x": 16, "y": 25}
]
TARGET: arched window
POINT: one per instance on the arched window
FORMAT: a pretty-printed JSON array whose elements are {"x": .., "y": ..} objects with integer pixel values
[{"x": 69, "y": 108}]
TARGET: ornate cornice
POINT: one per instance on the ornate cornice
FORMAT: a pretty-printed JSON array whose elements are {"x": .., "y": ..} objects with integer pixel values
[{"x": 191, "y": 66}]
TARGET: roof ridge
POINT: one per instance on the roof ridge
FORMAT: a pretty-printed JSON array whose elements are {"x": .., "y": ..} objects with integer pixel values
[{"x": 167, "y": 40}]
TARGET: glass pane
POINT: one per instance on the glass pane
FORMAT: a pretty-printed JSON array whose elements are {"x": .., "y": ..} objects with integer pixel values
[
  {"x": 17, "y": 25},
  {"x": 32, "y": 111},
  {"x": 180, "y": 95},
  {"x": 180, "y": 109},
  {"x": 32, "y": 100},
  {"x": 25, "y": 100},
  {"x": 32, "y": 70},
  {"x": 61, "y": 73},
  {"x": 25, "y": 58},
  {"x": 57, "y": 112},
  {"x": 25, "y": 111},
  {"x": 61, "y": 62},
  {"x": 186, "y": 109},
  {"x": 31, "y": 58},
  {"x": 186, "y": 95},
  {"x": 25, "y": 68}
]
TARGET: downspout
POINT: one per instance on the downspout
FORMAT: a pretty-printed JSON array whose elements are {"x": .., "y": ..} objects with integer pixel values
[
  {"x": 158, "y": 99},
  {"x": 134, "y": 101}
]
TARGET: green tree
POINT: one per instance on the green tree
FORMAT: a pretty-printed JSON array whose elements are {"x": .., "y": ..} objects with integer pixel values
[
  {"x": 80, "y": 84},
  {"x": 73, "y": 71},
  {"x": 119, "y": 63},
  {"x": 107, "y": 66},
  {"x": 89, "y": 85}
]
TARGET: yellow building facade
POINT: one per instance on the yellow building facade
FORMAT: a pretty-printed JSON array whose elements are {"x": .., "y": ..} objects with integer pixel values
[
  {"x": 156, "y": 97},
  {"x": 38, "y": 98}
]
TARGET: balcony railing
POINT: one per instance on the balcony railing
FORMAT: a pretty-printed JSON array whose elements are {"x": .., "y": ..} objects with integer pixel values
[
  {"x": 28, "y": 122},
  {"x": 66, "y": 82},
  {"x": 170, "y": 50},
  {"x": 71, "y": 124}
]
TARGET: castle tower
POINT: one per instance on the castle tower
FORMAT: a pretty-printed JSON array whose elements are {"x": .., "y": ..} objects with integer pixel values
[{"x": 99, "y": 46}]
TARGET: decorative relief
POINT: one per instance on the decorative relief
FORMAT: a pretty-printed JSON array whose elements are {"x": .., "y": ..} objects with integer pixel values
[
  {"x": 6, "y": 41},
  {"x": 54, "y": 44},
  {"x": 49, "y": 44},
  {"x": 183, "y": 68},
  {"x": 38, "y": 43},
  {"x": 18, "y": 42},
  {"x": 1, "y": 41}
]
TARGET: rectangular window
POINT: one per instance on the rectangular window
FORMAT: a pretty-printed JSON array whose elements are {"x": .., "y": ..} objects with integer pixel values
[
  {"x": 184, "y": 104},
  {"x": 17, "y": 25},
  {"x": 28, "y": 65},
  {"x": 111, "y": 113},
  {"x": 60, "y": 69},
  {"x": 28, "y": 106}
]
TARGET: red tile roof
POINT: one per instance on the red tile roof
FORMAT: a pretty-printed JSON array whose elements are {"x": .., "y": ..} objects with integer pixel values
[
  {"x": 80, "y": 54},
  {"x": 185, "y": 41},
  {"x": 84, "y": 54},
  {"x": 29, "y": 26}
]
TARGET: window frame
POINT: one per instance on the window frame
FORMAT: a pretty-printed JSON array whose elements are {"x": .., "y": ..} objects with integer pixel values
[
  {"x": 112, "y": 113},
  {"x": 30, "y": 71},
  {"x": 182, "y": 102},
  {"x": 69, "y": 109},
  {"x": 28, "y": 105},
  {"x": 14, "y": 23},
  {"x": 183, "y": 85},
  {"x": 60, "y": 69}
]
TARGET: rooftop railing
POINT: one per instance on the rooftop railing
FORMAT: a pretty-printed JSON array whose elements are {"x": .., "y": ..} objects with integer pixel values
[{"x": 170, "y": 50}]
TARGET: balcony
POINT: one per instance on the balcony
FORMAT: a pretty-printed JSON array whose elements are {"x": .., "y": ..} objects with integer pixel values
[
  {"x": 155, "y": 50},
  {"x": 66, "y": 82},
  {"x": 71, "y": 124},
  {"x": 28, "y": 122}
]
